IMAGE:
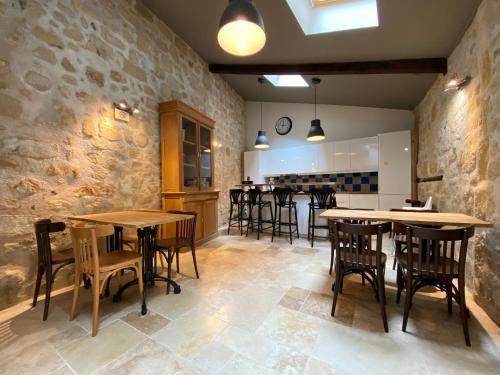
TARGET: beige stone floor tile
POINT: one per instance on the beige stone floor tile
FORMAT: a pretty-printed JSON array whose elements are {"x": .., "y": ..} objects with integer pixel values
[
  {"x": 188, "y": 335},
  {"x": 291, "y": 328},
  {"x": 213, "y": 357},
  {"x": 67, "y": 337},
  {"x": 88, "y": 353},
  {"x": 242, "y": 366},
  {"x": 311, "y": 281},
  {"x": 317, "y": 367},
  {"x": 149, "y": 358},
  {"x": 305, "y": 251},
  {"x": 147, "y": 324}
]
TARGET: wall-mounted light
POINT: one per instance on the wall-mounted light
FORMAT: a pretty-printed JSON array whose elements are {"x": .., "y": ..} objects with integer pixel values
[
  {"x": 456, "y": 83},
  {"x": 123, "y": 111}
]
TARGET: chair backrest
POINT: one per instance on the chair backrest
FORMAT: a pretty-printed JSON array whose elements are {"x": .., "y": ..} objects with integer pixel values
[
  {"x": 355, "y": 221},
  {"x": 85, "y": 245},
  {"x": 282, "y": 196},
  {"x": 436, "y": 250},
  {"x": 235, "y": 195},
  {"x": 185, "y": 230},
  {"x": 254, "y": 195},
  {"x": 43, "y": 228},
  {"x": 353, "y": 242},
  {"x": 323, "y": 198}
]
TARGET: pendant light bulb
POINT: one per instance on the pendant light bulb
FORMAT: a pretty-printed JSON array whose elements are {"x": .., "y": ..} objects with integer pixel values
[
  {"x": 241, "y": 29},
  {"x": 261, "y": 142},
  {"x": 315, "y": 132}
]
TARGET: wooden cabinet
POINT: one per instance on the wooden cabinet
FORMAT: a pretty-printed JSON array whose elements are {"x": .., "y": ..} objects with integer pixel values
[{"x": 188, "y": 166}]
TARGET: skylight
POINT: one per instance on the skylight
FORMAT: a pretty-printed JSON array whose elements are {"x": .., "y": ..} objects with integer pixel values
[
  {"x": 292, "y": 80},
  {"x": 325, "y": 16}
]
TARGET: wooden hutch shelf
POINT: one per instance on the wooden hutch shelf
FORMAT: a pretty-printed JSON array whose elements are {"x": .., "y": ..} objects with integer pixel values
[{"x": 187, "y": 166}]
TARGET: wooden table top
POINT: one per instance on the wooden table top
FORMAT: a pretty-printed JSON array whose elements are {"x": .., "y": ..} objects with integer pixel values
[
  {"x": 131, "y": 219},
  {"x": 428, "y": 218}
]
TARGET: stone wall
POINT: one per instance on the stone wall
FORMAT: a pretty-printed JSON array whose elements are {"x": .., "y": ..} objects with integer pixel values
[
  {"x": 459, "y": 136},
  {"x": 62, "y": 65}
]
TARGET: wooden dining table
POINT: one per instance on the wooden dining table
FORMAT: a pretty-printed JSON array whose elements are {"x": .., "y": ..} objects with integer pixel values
[
  {"x": 407, "y": 217},
  {"x": 146, "y": 222}
]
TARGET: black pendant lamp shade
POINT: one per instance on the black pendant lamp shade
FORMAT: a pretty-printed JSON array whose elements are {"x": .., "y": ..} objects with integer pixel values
[
  {"x": 261, "y": 141},
  {"x": 316, "y": 132},
  {"x": 241, "y": 29}
]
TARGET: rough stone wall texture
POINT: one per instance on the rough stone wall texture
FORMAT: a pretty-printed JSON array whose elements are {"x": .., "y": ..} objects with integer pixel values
[
  {"x": 62, "y": 65},
  {"x": 459, "y": 136}
]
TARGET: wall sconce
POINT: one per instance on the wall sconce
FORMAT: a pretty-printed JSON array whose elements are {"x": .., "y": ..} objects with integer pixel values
[
  {"x": 123, "y": 111},
  {"x": 456, "y": 83}
]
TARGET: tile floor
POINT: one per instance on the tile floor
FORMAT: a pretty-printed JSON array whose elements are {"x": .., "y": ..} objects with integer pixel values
[{"x": 258, "y": 308}]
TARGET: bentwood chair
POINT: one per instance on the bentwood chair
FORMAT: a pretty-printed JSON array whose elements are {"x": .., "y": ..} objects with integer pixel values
[
  {"x": 99, "y": 266},
  {"x": 236, "y": 199},
  {"x": 433, "y": 261},
  {"x": 283, "y": 199},
  {"x": 255, "y": 199},
  {"x": 185, "y": 236},
  {"x": 47, "y": 259},
  {"x": 321, "y": 199},
  {"x": 354, "y": 253}
]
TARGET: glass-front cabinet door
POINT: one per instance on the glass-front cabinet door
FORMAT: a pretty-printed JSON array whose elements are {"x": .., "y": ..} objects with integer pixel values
[
  {"x": 189, "y": 154},
  {"x": 205, "y": 158}
]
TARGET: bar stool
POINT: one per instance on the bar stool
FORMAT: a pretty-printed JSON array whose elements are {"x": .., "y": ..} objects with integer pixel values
[
  {"x": 236, "y": 197},
  {"x": 47, "y": 259},
  {"x": 321, "y": 199},
  {"x": 283, "y": 199},
  {"x": 254, "y": 198}
]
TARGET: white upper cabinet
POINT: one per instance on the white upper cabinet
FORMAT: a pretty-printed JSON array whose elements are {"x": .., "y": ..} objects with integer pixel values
[
  {"x": 364, "y": 154},
  {"x": 324, "y": 153},
  {"x": 341, "y": 157},
  {"x": 252, "y": 166},
  {"x": 395, "y": 163}
]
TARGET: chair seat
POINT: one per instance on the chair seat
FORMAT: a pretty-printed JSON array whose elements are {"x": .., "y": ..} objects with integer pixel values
[
  {"x": 363, "y": 257},
  {"x": 116, "y": 259},
  {"x": 172, "y": 242},
  {"x": 63, "y": 256},
  {"x": 403, "y": 261}
]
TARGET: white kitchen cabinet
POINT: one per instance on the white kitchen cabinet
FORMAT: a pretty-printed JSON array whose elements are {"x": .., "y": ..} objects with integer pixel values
[
  {"x": 388, "y": 201},
  {"x": 395, "y": 163},
  {"x": 253, "y": 163},
  {"x": 369, "y": 201},
  {"x": 324, "y": 155},
  {"x": 364, "y": 154},
  {"x": 341, "y": 157},
  {"x": 342, "y": 200}
]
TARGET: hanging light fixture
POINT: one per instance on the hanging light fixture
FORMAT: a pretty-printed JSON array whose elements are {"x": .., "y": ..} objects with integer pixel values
[
  {"x": 261, "y": 141},
  {"x": 316, "y": 132},
  {"x": 241, "y": 29}
]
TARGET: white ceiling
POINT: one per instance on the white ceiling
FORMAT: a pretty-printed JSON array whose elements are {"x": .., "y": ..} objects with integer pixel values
[{"x": 408, "y": 29}]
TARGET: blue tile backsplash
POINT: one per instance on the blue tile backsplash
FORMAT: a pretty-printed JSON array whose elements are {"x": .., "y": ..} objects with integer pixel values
[{"x": 357, "y": 182}]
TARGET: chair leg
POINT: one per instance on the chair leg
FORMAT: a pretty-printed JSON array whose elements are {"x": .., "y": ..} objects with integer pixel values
[
  {"x": 296, "y": 221},
  {"x": 463, "y": 310},
  {"x": 95, "y": 304},
  {"x": 336, "y": 288},
  {"x": 39, "y": 276},
  {"x": 177, "y": 260},
  {"x": 230, "y": 218},
  {"x": 76, "y": 289},
  {"x": 407, "y": 300},
  {"x": 48, "y": 288},
  {"x": 259, "y": 221},
  {"x": 170, "y": 257},
  {"x": 400, "y": 283},
  {"x": 290, "y": 224},
  {"x": 313, "y": 225},
  {"x": 193, "y": 252},
  {"x": 309, "y": 225},
  {"x": 274, "y": 222},
  {"x": 381, "y": 298},
  {"x": 279, "y": 224},
  {"x": 139, "y": 278},
  {"x": 331, "y": 257},
  {"x": 397, "y": 252}
]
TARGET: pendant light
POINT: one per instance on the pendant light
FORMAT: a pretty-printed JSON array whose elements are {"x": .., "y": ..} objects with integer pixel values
[
  {"x": 316, "y": 132},
  {"x": 261, "y": 141},
  {"x": 241, "y": 29}
]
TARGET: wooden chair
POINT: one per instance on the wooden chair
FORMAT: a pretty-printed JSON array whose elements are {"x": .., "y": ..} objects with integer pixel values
[
  {"x": 236, "y": 199},
  {"x": 354, "y": 254},
  {"x": 321, "y": 199},
  {"x": 433, "y": 262},
  {"x": 47, "y": 259},
  {"x": 185, "y": 236},
  {"x": 99, "y": 266},
  {"x": 283, "y": 199}
]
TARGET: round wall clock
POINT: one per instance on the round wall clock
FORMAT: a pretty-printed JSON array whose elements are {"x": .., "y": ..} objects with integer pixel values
[{"x": 283, "y": 125}]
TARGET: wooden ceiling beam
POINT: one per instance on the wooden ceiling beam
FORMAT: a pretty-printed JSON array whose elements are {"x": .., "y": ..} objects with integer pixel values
[{"x": 412, "y": 66}]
